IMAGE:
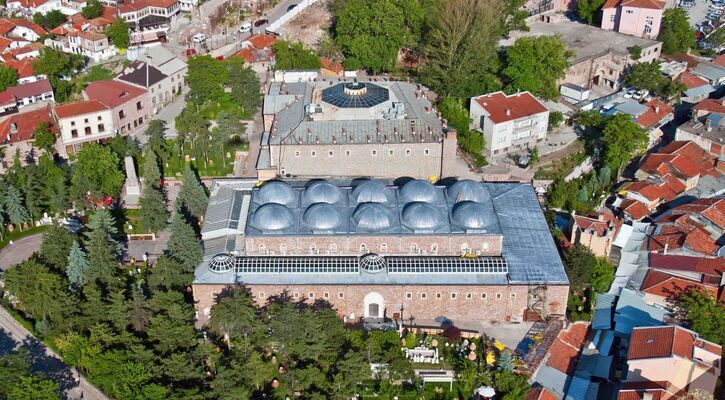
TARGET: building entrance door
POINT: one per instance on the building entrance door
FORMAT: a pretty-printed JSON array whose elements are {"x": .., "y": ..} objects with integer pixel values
[{"x": 374, "y": 310}]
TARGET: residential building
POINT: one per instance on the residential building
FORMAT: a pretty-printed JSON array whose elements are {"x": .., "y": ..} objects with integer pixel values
[
  {"x": 697, "y": 88},
  {"x": 21, "y": 29},
  {"x": 24, "y": 68},
  {"x": 31, "y": 50},
  {"x": 509, "y": 123},
  {"x": 29, "y": 93},
  {"x": 161, "y": 88},
  {"x": 654, "y": 191},
  {"x": 685, "y": 161},
  {"x": 131, "y": 105},
  {"x": 656, "y": 114},
  {"x": 557, "y": 370},
  {"x": 633, "y": 17},
  {"x": 596, "y": 231},
  {"x": 316, "y": 128},
  {"x": 86, "y": 43},
  {"x": 599, "y": 57},
  {"x": 694, "y": 228},
  {"x": 168, "y": 64},
  {"x": 375, "y": 249},
  {"x": 20, "y": 127},
  {"x": 706, "y": 128},
  {"x": 149, "y": 20},
  {"x": 675, "y": 357},
  {"x": 257, "y": 51},
  {"x": 83, "y": 122},
  {"x": 713, "y": 73},
  {"x": 188, "y": 5}
]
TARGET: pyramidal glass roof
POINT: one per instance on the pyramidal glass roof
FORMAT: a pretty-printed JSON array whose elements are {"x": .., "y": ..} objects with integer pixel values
[{"x": 355, "y": 95}]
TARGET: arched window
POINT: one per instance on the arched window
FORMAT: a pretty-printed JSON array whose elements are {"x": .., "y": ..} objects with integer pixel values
[
  {"x": 383, "y": 247},
  {"x": 434, "y": 248},
  {"x": 283, "y": 248},
  {"x": 262, "y": 248},
  {"x": 465, "y": 249},
  {"x": 313, "y": 249},
  {"x": 333, "y": 248},
  {"x": 413, "y": 248},
  {"x": 363, "y": 248},
  {"x": 485, "y": 246}
]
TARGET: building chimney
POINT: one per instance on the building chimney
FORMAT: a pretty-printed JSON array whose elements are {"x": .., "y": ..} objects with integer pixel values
[
  {"x": 657, "y": 109},
  {"x": 508, "y": 112}
]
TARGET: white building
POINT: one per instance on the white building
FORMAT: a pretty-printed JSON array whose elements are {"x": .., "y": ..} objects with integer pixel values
[
  {"x": 509, "y": 123},
  {"x": 90, "y": 44},
  {"x": 83, "y": 122}
]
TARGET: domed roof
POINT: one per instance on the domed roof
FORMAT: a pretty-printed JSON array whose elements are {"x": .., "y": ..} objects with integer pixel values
[
  {"x": 420, "y": 190},
  {"x": 422, "y": 216},
  {"x": 372, "y": 192},
  {"x": 372, "y": 217},
  {"x": 272, "y": 217},
  {"x": 372, "y": 263},
  {"x": 275, "y": 192},
  {"x": 322, "y": 192},
  {"x": 468, "y": 190},
  {"x": 322, "y": 216},
  {"x": 221, "y": 263},
  {"x": 473, "y": 215}
]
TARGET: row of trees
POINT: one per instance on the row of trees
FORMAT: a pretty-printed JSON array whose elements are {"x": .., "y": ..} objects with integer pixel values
[{"x": 588, "y": 275}]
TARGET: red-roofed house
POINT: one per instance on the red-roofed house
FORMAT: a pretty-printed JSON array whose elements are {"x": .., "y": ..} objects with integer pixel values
[
  {"x": 509, "y": 122},
  {"x": 708, "y": 106},
  {"x": 541, "y": 393},
  {"x": 674, "y": 355},
  {"x": 24, "y": 67},
  {"x": 696, "y": 88},
  {"x": 634, "y": 17},
  {"x": 720, "y": 60},
  {"x": 149, "y": 15},
  {"x": 694, "y": 228},
  {"x": 561, "y": 359},
  {"x": 706, "y": 128},
  {"x": 20, "y": 127},
  {"x": 633, "y": 210},
  {"x": 131, "y": 105},
  {"x": 29, "y": 93},
  {"x": 658, "y": 113},
  {"x": 653, "y": 192},
  {"x": 91, "y": 44},
  {"x": 595, "y": 231},
  {"x": 685, "y": 161},
  {"x": 83, "y": 122},
  {"x": 661, "y": 288},
  {"x": 257, "y": 49},
  {"x": 21, "y": 29}
]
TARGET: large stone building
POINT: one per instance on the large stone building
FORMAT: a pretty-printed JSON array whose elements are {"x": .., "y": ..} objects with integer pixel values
[
  {"x": 469, "y": 251},
  {"x": 322, "y": 128}
]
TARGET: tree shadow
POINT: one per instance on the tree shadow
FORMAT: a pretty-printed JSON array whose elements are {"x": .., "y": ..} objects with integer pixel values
[{"x": 47, "y": 365}]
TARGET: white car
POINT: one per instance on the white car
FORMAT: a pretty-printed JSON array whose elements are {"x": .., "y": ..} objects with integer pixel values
[
  {"x": 630, "y": 93},
  {"x": 641, "y": 94},
  {"x": 246, "y": 27},
  {"x": 199, "y": 38}
]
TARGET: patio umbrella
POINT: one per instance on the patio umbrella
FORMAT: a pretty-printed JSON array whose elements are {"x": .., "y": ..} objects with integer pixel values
[{"x": 485, "y": 391}]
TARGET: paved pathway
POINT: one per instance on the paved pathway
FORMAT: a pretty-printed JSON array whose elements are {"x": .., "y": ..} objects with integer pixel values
[
  {"x": 19, "y": 251},
  {"x": 44, "y": 360}
]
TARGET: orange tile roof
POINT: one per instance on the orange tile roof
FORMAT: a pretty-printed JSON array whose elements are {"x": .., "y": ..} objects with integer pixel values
[
  {"x": 691, "y": 81},
  {"x": 691, "y": 61},
  {"x": 666, "y": 285},
  {"x": 657, "y": 110},
  {"x": 331, "y": 65},
  {"x": 635, "y": 209},
  {"x": 29, "y": 3},
  {"x": 540, "y": 393},
  {"x": 711, "y": 105},
  {"x": 5, "y": 43},
  {"x": 564, "y": 352},
  {"x": 112, "y": 93},
  {"x": 503, "y": 108},
  {"x": 637, "y": 390},
  {"x": 720, "y": 60},
  {"x": 716, "y": 213},
  {"x": 79, "y": 108},
  {"x": 24, "y": 67},
  {"x": 610, "y": 4},
  {"x": 599, "y": 221},
  {"x": 709, "y": 266},
  {"x": 35, "y": 46},
  {"x": 8, "y": 24},
  {"x": 141, "y": 4},
  {"x": 21, "y": 127},
  {"x": 262, "y": 41}
]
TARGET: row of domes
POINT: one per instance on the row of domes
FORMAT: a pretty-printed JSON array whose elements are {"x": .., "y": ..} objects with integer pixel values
[
  {"x": 371, "y": 191},
  {"x": 375, "y": 217}
]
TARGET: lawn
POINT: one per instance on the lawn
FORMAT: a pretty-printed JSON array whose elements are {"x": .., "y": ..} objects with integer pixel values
[
  {"x": 217, "y": 165},
  {"x": 15, "y": 235}
]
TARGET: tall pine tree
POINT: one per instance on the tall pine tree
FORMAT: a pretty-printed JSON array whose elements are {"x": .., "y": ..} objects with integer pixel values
[
  {"x": 77, "y": 267},
  {"x": 184, "y": 246},
  {"x": 153, "y": 209},
  {"x": 14, "y": 207},
  {"x": 150, "y": 169},
  {"x": 54, "y": 249},
  {"x": 192, "y": 195}
]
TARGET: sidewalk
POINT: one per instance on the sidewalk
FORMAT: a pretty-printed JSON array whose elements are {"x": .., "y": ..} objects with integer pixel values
[{"x": 45, "y": 361}]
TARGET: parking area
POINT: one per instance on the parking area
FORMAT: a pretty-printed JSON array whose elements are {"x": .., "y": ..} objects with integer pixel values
[{"x": 698, "y": 11}]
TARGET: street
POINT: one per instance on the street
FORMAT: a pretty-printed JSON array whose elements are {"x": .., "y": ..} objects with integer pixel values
[
  {"x": 45, "y": 361},
  {"x": 19, "y": 251}
]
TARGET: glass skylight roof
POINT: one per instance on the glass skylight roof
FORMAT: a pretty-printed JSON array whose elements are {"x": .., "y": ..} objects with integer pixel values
[{"x": 355, "y": 95}]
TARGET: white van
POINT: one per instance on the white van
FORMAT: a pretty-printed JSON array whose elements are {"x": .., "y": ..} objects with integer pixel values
[
  {"x": 199, "y": 38},
  {"x": 246, "y": 27}
]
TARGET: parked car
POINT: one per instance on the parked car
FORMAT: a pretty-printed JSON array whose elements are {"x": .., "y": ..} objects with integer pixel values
[
  {"x": 630, "y": 93},
  {"x": 246, "y": 27},
  {"x": 199, "y": 38},
  {"x": 641, "y": 94},
  {"x": 260, "y": 22},
  {"x": 687, "y": 4},
  {"x": 292, "y": 7}
]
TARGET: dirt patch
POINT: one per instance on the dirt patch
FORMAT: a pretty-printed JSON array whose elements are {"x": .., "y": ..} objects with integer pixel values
[{"x": 309, "y": 25}]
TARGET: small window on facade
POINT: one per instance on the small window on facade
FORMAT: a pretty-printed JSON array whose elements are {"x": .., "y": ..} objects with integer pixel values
[
  {"x": 85, "y": 120},
  {"x": 330, "y": 153},
  {"x": 261, "y": 295},
  {"x": 262, "y": 248},
  {"x": 374, "y": 153},
  {"x": 101, "y": 128},
  {"x": 296, "y": 295},
  {"x": 469, "y": 295},
  {"x": 74, "y": 133},
  {"x": 347, "y": 153},
  {"x": 340, "y": 295},
  {"x": 454, "y": 295},
  {"x": 326, "y": 295},
  {"x": 283, "y": 248},
  {"x": 434, "y": 248},
  {"x": 413, "y": 248},
  {"x": 423, "y": 296},
  {"x": 72, "y": 123},
  {"x": 409, "y": 295},
  {"x": 439, "y": 296},
  {"x": 483, "y": 296},
  {"x": 297, "y": 153},
  {"x": 391, "y": 152},
  {"x": 99, "y": 118},
  {"x": 498, "y": 295},
  {"x": 513, "y": 295},
  {"x": 363, "y": 249},
  {"x": 310, "y": 295},
  {"x": 383, "y": 247},
  {"x": 407, "y": 152},
  {"x": 426, "y": 152},
  {"x": 313, "y": 154},
  {"x": 333, "y": 247}
]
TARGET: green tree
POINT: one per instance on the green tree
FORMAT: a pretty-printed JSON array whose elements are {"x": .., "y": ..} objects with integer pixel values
[
  {"x": 235, "y": 316},
  {"x": 103, "y": 252},
  {"x": 8, "y": 77},
  {"x": 228, "y": 124},
  {"x": 153, "y": 208},
  {"x": 460, "y": 54},
  {"x": 39, "y": 292},
  {"x": 556, "y": 118},
  {"x": 96, "y": 173},
  {"x": 578, "y": 262},
  {"x": 171, "y": 328},
  {"x": 57, "y": 242},
  {"x": 514, "y": 16},
  {"x": 52, "y": 19},
  {"x": 703, "y": 314},
  {"x": 98, "y": 73},
  {"x": 648, "y": 76},
  {"x": 206, "y": 77},
  {"x": 77, "y": 267},
  {"x": 717, "y": 38},
  {"x": 14, "y": 206},
  {"x": 169, "y": 274},
  {"x": 602, "y": 275},
  {"x": 623, "y": 139},
  {"x": 676, "y": 33},
  {"x": 192, "y": 195},
  {"x": 183, "y": 245},
  {"x": 505, "y": 362},
  {"x": 54, "y": 183},
  {"x": 370, "y": 33},
  {"x": 455, "y": 112},
  {"x": 150, "y": 169},
  {"x": 294, "y": 56},
  {"x": 93, "y": 9},
  {"x": 635, "y": 52},
  {"x": 13, "y": 367},
  {"x": 588, "y": 9},
  {"x": 118, "y": 33},
  {"x": 535, "y": 64},
  {"x": 155, "y": 132},
  {"x": 58, "y": 67},
  {"x": 510, "y": 386},
  {"x": 44, "y": 138},
  {"x": 34, "y": 388},
  {"x": 244, "y": 85}
]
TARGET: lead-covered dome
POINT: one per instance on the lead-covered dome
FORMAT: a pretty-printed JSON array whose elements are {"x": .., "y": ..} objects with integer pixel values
[
  {"x": 420, "y": 190},
  {"x": 422, "y": 216},
  {"x": 468, "y": 190},
  {"x": 372, "y": 217},
  {"x": 322, "y": 192},
  {"x": 322, "y": 216},
  {"x": 473, "y": 215},
  {"x": 372, "y": 192},
  {"x": 276, "y": 192},
  {"x": 272, "y": 217}
]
